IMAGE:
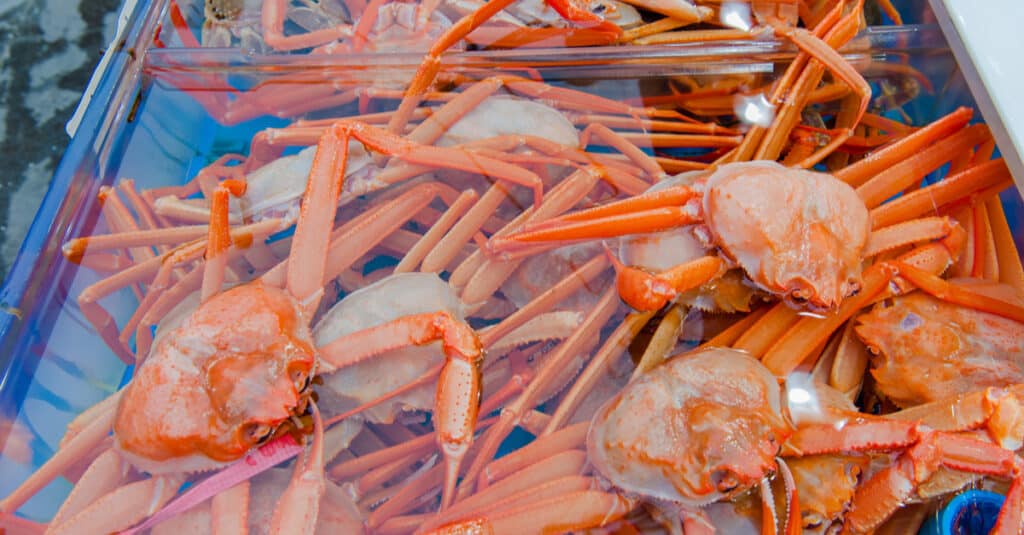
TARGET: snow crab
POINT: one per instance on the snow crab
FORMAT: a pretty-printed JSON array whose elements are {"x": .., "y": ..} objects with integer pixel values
[
  {"x": 246, "y": 356},
  {"x": 803, "y": 236},
  {"x": 929, "y": 349},
  {"x": 711, "y": 425}
]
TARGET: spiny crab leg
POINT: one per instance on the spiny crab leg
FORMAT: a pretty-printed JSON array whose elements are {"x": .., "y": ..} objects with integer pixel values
[
  {"x": 458, "y": 387},
  {"x": 219, "y": 238},
  {"x": 431, "y": 65},
  {"x": 877, "y": 498},
  {"x": 821, "y": 51},
  {"x": 858, "y": 173},
  {"x": 647, "y": 212}
]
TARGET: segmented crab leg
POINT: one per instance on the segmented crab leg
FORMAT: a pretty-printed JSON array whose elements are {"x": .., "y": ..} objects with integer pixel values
[
  {"x": 104, "y": 474},
  {"x": 71, "y": 451},
  {"x": 877, "y": 498},
  {"x": 992, "y": 174},
  {"x": 1010, "y": 270},
  {"x": 552, "y": 366},
  {"x": 613, "y": 347},
  {"x": 789, "y": 114},
  {"x": 766, "y": 330},
  {"x": 570, "y": 512},
  {"x": 432, "y": 237},
  {"x": 828, "y": 56},
  {"x": 650, "y": 292},
  {"x": 558, "y": 465},
  {"x": 850, "y": 364},
  {"x": 447, "y": 248},
  {"x": 958, "y": 294},
  {"x": 229, "y": 510},
  {"x": 272, "y": 19},
  {"x": 543, "y": 302},
  {"x": 123, "y": 506},
  {"x": 219, "y": 238},
  {"x": 495, "y": 271},
  {"x": 871, "y": 165},
  {"x": 915, "y": 166},
  {"x": 900, "y": 234},
  {"x": 459, "y": 385},
  {"x": 567, "y": 438}
]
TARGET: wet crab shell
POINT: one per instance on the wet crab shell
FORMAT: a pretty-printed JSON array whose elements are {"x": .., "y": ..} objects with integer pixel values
[
  {"x": 928, "y": 349},
  {"x": 698, "y": 429},
  {"x": 796, "y": 233},
  {"x": 217, "y": 385}
]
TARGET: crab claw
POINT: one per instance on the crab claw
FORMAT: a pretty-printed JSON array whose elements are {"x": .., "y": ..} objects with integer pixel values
[{"x": 651, "y": 291}]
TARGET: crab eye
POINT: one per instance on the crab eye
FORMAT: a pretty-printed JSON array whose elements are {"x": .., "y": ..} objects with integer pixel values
[
  {"x": 257, "y": 433},
  {"x": 301, "y": 378},
  {"x": 725, "y": 481}
]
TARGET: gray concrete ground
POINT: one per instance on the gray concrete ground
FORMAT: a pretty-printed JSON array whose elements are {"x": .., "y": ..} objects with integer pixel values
[{"x": 48, "y": 49}]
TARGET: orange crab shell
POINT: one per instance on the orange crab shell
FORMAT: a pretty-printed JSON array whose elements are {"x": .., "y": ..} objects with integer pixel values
[
  {"x": 219, "y": 383},
  {"x": 929, "y": 349},
  {"x": 700, "y": 428},
  {"x": 795, "y": 233}
]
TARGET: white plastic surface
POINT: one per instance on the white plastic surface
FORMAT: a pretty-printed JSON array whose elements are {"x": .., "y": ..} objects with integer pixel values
[{"x": 988, "y": 43}]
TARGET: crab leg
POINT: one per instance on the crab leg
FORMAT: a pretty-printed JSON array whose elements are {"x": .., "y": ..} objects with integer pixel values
[
  {"x": 641, "y": 222},
  {"x": 431, "y": 65},
  {"x": 766, "y": 330},
  {"x": 122, "y": 507},
  {"x": 1010, "y": 270},
  {"x": 650, "y": 292},
  {"x": 495, "y": 271},
  {"x": 613, "y": 347},
  {"x": 828, "y": 56},
  {"x": 71, "y": 452},
  {"x": 900, "y": 234},
  {"x": 229, "y": 510},
  {"x": 960, "y": 295},
  {"x": 432, "y": 237},
  {"x": 563, "y": 464},
  {"x": 858, "y": 173},
  {"x": 219, "y": 239},
  {"x": 623, "y": 145},
  {"x": 877, "y": 498},
  {"x": 554, "y": 365},
  {"x": 991, "y": 174},
  {"x": 105, "y": 474},
  {"x": 914, "y": 167},
  {"x": 458, "y": 387},
  {"x": 570, "y": 512},
  {"x": 273, "y": 30}
]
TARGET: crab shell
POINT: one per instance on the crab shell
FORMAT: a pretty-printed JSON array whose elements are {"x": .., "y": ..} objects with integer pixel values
[
  {"x": 796, "y": 233},
  {"x": 929, "y": 349},
  {"x": 659, "y": 251},
  {"x": 218, "y": 384},
  {"x": 700, "y": 428}
]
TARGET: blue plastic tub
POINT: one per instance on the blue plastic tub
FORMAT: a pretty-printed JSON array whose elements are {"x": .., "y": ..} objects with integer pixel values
[{"x": 145, "y": 124}]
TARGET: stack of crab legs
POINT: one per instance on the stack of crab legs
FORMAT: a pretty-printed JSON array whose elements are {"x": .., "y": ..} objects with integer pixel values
[
  {"x": 525, "y": 268},
  {"x": 333, "y": 26}
]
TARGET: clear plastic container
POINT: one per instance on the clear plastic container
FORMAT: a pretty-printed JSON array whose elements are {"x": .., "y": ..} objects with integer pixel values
[
  {"x": 332, "y": 26},
  {"x": 160, "y": 118}
]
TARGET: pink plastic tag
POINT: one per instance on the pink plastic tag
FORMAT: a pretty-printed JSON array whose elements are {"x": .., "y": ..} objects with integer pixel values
[{"x": 257, "y": 461}]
